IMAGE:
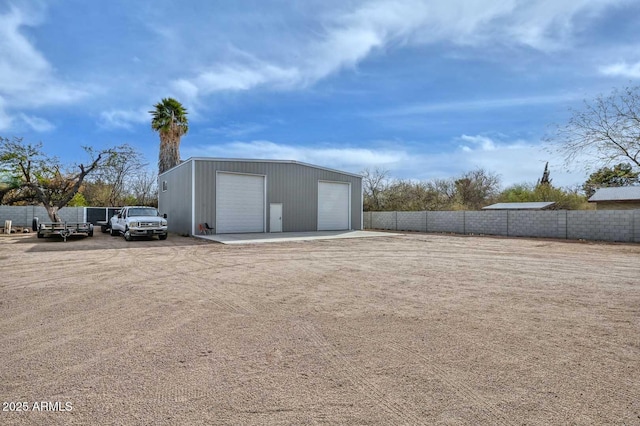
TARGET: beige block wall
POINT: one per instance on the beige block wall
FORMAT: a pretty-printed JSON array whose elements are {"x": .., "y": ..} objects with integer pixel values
[{"x": 631, "y": 205}]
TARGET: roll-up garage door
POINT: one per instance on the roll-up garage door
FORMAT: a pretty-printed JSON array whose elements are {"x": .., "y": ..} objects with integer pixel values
[
  {"x": 333, "y": 206},
  {"x": 240, "y": 203}
]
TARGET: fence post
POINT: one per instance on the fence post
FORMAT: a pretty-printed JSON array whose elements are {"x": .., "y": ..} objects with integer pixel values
[{"x": 464, "y": 223}]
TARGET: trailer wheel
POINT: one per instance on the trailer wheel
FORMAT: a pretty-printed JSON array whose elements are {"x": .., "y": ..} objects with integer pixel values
[
  {"x": 40, "y": 235},
  {"x": 35, "y": 224},
  {"x": 90, "y": 231},
  {"x": 104, "y": 229}
]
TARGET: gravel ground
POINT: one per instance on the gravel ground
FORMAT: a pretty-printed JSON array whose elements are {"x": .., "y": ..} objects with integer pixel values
[{"x": 415, "y": 329}]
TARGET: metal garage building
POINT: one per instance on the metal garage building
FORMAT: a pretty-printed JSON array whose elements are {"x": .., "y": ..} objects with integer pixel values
[{"x": 237, "y": 196}]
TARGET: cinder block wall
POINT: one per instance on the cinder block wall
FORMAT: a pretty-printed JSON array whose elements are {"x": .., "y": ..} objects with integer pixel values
[
  {"x": 23, "y": 215},
  {"x": 486, "y": 222},
  {"x": 412, "y": 221},
  {"x": 384, "y": 220},
  {"x": 606, "y": 225},
  {"x": 596, "y": 225},
  {"x": 366, "y": 220},
  {"x": 537, "y": 224},
  {"x": 445, "y": 222}
]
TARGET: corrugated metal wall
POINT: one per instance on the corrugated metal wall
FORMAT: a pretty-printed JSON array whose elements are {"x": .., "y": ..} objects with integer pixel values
[
  {"x": 293, "y": 185},
  {"x": 176, "y": 200}
]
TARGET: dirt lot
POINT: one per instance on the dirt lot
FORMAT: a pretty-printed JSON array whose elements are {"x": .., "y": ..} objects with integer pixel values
[{"x": 416, "y": 329}]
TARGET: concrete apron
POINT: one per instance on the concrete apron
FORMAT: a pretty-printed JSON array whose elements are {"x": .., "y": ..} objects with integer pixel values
[{"x": 281, "y": 237}]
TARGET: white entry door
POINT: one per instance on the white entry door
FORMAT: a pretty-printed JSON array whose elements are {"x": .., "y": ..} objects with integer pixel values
[{"x": 275, "y": 217}]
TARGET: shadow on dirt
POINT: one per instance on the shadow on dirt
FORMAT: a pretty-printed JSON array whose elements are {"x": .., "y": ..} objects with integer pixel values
[{"x": 102, "y": 242}]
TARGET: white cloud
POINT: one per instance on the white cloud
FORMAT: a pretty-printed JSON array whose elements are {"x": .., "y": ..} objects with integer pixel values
[
  {"x": 27, "y": 80},
  {"x": 13, "y": 121},
  {"x": 471, "y": 105},
  {"x": 622, "y": 69},
  {"x": 485, "y": 143},
  {"x": 234, "y": 130},
  {"x": 349, "y": 159},
  {"x": 36, "y": 123},
  {"x": 123, "y": 119},
  {"x": 21, "y": 65},
  {"x": 5, "y": 119},
  {"x": 515, "y": 161},
  {"x": 347, "y": 38},
  {"x": 236, "y": 77}
]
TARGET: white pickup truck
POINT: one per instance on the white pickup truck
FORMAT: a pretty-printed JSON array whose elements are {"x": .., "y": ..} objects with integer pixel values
[{"x": 138, "y": 221}]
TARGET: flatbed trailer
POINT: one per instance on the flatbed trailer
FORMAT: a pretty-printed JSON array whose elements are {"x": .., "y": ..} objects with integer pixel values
[{"x": 65, "y": 229}]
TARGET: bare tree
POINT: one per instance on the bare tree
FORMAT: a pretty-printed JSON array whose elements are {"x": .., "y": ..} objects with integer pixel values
[
  {"x": 113, "y": 177},
  {"x": 43, "y": 179},
  {"x": 374, "y": 183},
  {"x": 477, "y": 188},
  {"x": 442, "y": 193},
  {"x": 606, "y": 131},
  {"x": 144, "y": 187}
]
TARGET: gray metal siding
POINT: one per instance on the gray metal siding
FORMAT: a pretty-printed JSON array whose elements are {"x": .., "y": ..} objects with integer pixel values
[
  {"x": 293, "y": 185},
  {"x": 176, "y": 200}
]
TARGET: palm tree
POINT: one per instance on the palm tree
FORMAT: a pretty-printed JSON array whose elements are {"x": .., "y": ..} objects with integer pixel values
[{"x": 170, "y": 121}]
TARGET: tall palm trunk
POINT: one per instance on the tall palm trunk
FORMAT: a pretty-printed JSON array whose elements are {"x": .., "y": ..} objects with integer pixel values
[{"x": 169, "y": 151}]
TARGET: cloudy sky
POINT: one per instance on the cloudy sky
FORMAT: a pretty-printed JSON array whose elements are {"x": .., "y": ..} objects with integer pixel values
[{"x": 423, "y": 88}]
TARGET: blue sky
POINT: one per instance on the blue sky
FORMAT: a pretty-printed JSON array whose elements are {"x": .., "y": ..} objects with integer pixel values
[{"x": 424, "y": 89}]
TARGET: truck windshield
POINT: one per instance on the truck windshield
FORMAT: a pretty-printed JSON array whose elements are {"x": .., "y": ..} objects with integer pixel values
[{"x": 143, "y": 212}]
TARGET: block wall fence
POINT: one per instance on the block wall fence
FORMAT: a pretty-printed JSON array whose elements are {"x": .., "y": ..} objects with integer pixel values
[
  {"x": 596, "y": 225},
  {"x": 23, "y": 215}
]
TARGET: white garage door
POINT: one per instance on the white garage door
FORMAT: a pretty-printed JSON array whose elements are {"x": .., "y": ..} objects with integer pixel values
[
  {"x": 333, "y": 206},
  {"x": 240, "y": 203}
]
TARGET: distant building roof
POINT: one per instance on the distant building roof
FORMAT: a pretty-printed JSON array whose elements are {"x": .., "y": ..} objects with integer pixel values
[
  {"x": 520, "y": 206},
  {"x": 621, "y": 193}
]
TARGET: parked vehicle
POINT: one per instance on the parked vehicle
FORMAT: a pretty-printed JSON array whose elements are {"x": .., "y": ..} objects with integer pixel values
[
  {"x": 105, "y": 225},
  {"x": 138, "y": 221},
  {"x": 62, "y": 229}
]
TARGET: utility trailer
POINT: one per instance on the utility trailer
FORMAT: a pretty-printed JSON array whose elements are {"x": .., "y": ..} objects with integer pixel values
[{"x": 63, "y": 229}]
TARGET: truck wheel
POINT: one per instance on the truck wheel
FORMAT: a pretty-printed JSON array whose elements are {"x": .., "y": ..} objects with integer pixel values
[
  {"x": 40, "y": 235},
  {"x": 163, "y": 236},
  {"x": 127, "y": 235},
  {"x": 35, "y": 224},
  {"x": 114, "y": 233}
]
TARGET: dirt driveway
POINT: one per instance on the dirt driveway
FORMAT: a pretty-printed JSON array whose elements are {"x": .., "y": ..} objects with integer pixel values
[{"x": 416, "y": 329}]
